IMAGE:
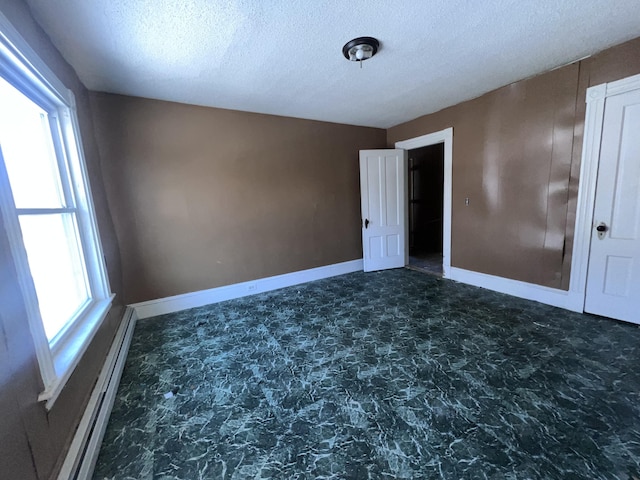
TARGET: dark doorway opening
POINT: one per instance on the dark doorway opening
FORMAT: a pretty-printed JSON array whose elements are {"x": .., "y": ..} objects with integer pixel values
[{"x": 426, "y": 191}]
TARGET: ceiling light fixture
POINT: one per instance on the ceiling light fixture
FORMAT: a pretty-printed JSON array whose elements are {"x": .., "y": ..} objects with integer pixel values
[{"x": 360, "y": 49}]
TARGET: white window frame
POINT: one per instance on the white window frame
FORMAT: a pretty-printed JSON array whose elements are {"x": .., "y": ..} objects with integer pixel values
[{"x": 22, "y": 67}]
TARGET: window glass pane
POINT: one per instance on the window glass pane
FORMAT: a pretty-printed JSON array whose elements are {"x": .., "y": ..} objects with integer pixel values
[
  {"x": 54, "y": 253},
  {"x": 27, "y": 148}
]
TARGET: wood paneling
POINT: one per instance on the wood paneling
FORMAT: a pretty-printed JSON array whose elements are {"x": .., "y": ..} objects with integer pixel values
[{"x": 516, "y": 155}]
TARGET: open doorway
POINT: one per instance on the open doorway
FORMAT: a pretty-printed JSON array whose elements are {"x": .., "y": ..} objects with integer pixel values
[
  {"x": 426, "y": 193},
  {"x": 442, "y": 137}
]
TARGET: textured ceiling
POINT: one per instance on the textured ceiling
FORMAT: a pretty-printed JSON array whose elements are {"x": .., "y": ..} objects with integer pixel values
[{"x": 284, "y": 57}]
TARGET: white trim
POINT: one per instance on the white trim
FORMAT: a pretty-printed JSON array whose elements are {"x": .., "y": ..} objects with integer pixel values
[
  {"x": 185, "y": 301},
  {"x": 529, "y": 291},
  {"x": 594, "y": 118},
  {"x": 443, "y": 136},
  {"x": 623, "y": 86},
  {"x": 45, "y": 211},
  {"x": 87, "y": 220},
  {"x": 83, "y": 452},
  {"x": 9, "y": 220},
  {"x": 69, "y": 354},
  {"x": 32, "y": 66},
  {"x": 24, "y": 69}
]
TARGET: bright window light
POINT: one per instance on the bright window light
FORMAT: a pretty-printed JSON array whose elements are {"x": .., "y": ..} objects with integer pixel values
[
  {"x": 53, "y": 250},
  {"x": 49, "y": 233},
  {"x": 27, "y": 148},
  {"x": 46, "y": 213}
]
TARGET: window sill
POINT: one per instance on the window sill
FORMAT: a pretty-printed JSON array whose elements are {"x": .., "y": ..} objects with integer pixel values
[{"x": 69, "y": 354}]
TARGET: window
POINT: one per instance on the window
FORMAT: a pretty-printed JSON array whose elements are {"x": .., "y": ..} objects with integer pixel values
[{"x": 47, "y": 212}]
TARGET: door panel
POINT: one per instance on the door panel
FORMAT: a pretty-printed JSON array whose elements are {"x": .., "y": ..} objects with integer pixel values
[
  {"x": 617, "y": 280},
  {"x": 382, "y": 186},
  {"x": 375, "y": 248},
  {"x": 393, "y": 245},
  {"x": 613, "y": 283},
  {"x": 626, "y": 204}
]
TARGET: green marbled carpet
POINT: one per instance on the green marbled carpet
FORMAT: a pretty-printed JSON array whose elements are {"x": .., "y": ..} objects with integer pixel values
[{"x": 395, "y": 374}]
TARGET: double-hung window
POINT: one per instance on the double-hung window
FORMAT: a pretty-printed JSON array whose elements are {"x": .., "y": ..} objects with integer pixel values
[{"x": 47, "y": 213}]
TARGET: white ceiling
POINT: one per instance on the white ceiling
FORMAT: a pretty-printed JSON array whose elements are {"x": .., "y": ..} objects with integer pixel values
[{"x": 284, "y": 57}]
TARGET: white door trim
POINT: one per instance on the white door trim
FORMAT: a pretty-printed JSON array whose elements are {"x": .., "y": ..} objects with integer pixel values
[
  {"x": 443, "y": 136},
  {"x": 594, "y": 118}
]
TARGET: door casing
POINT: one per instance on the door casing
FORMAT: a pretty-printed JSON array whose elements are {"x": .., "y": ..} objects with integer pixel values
[
  {"x": 594, "y": 120},
  {"x": 443, "y": 136}
]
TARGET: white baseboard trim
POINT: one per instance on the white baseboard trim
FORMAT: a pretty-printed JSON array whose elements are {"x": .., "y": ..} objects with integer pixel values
[
  {"x": 529, "y": 291},
  {"x": 83, "y": 452},
  {"x": 176, "y": 303}
]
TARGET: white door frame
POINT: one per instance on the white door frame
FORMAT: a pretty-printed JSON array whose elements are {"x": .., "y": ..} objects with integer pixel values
[
  {"x": 443, "y": 136},
  {"x": 594, "y": 119}
]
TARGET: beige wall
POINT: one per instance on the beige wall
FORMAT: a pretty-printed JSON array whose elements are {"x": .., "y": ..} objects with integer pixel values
[
  {"x": 204, "y": 197},
  {"x": 33, "y": 441},
  {"x": 516, "y": 156}
]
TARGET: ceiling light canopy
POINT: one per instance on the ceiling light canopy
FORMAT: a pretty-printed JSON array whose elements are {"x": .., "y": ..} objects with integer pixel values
[{"x": 360, "y": 49}]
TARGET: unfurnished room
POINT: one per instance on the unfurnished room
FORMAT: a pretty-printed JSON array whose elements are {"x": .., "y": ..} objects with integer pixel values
[{"x": 319, "y": 239}]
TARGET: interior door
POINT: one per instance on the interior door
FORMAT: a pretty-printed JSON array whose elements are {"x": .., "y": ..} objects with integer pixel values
[
  {"x": 383, "y": 197},
  {"x": 613, "y": 282}
]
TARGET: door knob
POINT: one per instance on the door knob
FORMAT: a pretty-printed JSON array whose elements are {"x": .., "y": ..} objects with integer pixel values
[
  {"x": 366, "y": 223},
  {"x": 601, "y": 229}
]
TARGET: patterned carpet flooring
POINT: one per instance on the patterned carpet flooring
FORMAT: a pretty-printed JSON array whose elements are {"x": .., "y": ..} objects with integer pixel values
[{"x": 394, "y": 374}]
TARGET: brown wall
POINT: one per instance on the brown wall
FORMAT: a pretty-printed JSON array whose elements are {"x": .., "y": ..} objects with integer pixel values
[
  {"x": 516, "y": 155},
  {"x": 32, "y": 440},
  {"x": 204, "y": 197}
]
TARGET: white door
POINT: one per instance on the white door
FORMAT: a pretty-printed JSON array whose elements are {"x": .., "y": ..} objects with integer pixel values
[
  {"x": 383, "y": 196},
  {"x": 613, "y": 282}
]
